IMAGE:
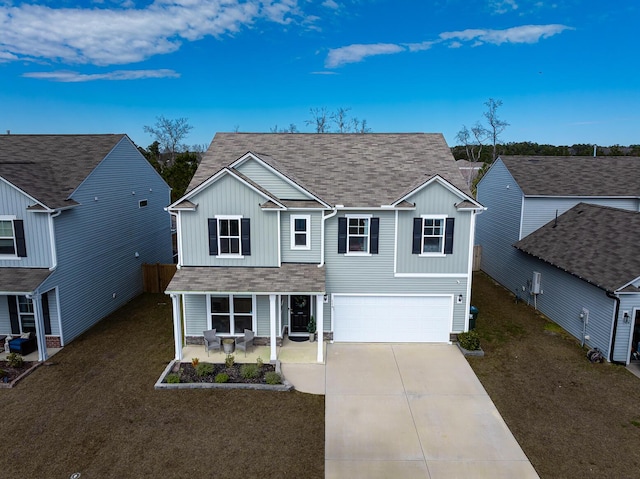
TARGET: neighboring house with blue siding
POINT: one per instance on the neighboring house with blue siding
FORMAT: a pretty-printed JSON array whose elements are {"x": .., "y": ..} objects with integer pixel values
[
  {"x": 79, "y": 215},
  {"x": 371, "y": 234},
  {"x": 522, "y": 195}
]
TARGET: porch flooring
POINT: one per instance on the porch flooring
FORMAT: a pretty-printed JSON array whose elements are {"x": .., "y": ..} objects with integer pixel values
[
  {"x": 31, "y": 356},
  {"x": 289, "y": 353},
  {"x": 634, "y": 368}
]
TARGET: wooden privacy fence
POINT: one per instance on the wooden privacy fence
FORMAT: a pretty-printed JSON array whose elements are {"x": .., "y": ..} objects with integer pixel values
[
  {"x": 156, "y": 277},
  {"x": 477, "y": 257}
]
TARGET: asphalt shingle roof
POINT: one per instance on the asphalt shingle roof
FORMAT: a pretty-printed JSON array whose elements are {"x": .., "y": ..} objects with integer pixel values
[
  {"x": 595, "y": 243},
  {"x": 370, "y": 169},
  {"x": 22, "y": 280},
  {"x": 50, "y": 167},
  {"x": 576, "y": 175},
  {"x": 289, "y": 278}
]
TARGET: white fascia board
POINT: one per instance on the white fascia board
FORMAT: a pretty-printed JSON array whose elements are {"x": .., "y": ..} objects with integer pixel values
[
  {"x": 573, "y": 197},
  {"x": 46, "y": 208},
  {"x": 443, "y": 182},
  {"x": 628, "y": 284},
  {"x": 283, "y": 177},
  {"x": 246, "y": 293},
  {"x": 431, "y": 275}
]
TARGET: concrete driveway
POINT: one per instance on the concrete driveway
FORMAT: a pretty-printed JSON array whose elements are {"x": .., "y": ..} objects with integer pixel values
[{"x": 413, "y": 411}]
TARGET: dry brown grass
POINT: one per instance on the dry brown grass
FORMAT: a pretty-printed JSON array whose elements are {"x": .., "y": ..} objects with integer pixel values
[
  {"x": 572, "y": 418},
  {"x": 94, "y": 411}
]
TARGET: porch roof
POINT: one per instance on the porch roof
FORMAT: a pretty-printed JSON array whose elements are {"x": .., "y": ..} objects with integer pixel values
[
  {"x": 290, "y": 278},
  {"x": 21, "y": 280}
]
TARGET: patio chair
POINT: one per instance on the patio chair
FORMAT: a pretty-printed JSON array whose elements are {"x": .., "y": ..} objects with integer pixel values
[
  {"x": 245, "y": 341},
  {"x": 211, "y": 341}
]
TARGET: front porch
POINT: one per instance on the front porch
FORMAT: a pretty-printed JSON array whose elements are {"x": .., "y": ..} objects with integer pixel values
[
  {"x": 290, "y": 352},
  {"x": 31, "y": 356}
]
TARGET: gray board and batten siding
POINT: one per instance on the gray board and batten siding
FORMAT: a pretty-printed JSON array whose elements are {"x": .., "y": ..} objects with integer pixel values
[
  {"x": 301, "y": 255},
  {"x": 270, "y": 181},
  {"x": 97, "y": 241}
]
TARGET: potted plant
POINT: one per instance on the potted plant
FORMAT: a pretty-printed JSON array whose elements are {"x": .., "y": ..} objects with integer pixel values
[{"x": 311, "y": 328}]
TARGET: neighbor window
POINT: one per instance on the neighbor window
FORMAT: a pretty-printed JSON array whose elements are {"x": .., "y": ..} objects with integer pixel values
[
  {"x": 7, "y": 238},
  {"x": 231, "y": 314},
  {"x": 432, "y": 236},
  {"x": 300, "y": 232}
]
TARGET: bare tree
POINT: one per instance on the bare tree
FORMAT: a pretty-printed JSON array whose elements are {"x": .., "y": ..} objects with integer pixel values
[
  {"x": 496, "y": 125},
  {"x": 339, "y": 118},
  {"x": 169, "y": 134},
  {"x": 292, "y": 128},
  {"x": 319, "y": 119},
  {"x": 472, "y": 140},
  {"x": 360, "y": 126}
]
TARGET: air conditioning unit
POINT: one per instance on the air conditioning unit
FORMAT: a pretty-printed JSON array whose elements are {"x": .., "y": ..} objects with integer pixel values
[{"x": 535, "y": 283}]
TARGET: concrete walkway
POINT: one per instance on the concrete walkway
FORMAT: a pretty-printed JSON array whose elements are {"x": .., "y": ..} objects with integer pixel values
[{"x": 410, "y": 411}]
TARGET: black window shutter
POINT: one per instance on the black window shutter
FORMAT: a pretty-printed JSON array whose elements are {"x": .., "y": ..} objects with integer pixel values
[
  {"x": 375, "y": 230},
  {"x": 13, "y": 314},
  {"x": 245, "y": 236},
  {"x": 213, "y": 237},
  {"x": 417, "y": 235},
  {"x": 21, "y": 244},
  {"x": 45, "y": 314},
  {"x": 342, "y": 235},
  {"x": 448, "y": 236}
]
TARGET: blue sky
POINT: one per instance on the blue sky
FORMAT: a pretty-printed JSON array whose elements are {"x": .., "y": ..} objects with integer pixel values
[{"x": 566, "y": 71}]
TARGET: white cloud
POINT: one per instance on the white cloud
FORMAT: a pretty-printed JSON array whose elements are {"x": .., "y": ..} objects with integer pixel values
[
  {"x": 330, "y": 4},
  {"x": 75, "y": 77},
  {"x": 357, "y": 52},
  {"x": 103, "y": 36},
  {"x": 418, "y": 47},
  {"x": 503, "y": 6},
  {"x": 522, "y": 34}
]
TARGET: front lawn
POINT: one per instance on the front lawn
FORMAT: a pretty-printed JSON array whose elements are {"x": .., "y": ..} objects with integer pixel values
[
  {"x": 93, "y": 409},
  {"x": 571, "y": 417}
]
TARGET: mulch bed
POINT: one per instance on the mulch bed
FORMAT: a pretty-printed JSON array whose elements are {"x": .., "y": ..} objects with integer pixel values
[
  {"x": 188, "y": 374},
  {"x": 8, "y": 374}
]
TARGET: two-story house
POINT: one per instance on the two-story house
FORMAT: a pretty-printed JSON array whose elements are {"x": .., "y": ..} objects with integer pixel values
[
  {"x": 566, "y": 269},
  {"x": 79, "y": 215},
  {"x": 372, "y": 234}
]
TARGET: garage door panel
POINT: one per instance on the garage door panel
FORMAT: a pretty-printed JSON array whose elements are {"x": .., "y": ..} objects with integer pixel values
[{"x": 392, "y": 318}]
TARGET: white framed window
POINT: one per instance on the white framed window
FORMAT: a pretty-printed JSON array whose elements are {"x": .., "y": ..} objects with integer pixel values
[
  {"x": 358, "y": 234},
  {"x": 232, "y": 314},
  {"x": 433, "y": 235},
  {"x": 7, "y": 236},
  {"x": 26, "y": 315},
  {"x": 229, "y": 241},
  {"x": 300, "y": 232}
]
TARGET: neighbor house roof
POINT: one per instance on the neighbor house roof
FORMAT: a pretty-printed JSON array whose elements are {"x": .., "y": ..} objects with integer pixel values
[
  {"x": 575, "y": 175},
  {"x": 289, "y": 278},
  {"x": 370, "y": 169},
  {"x": 22, "y": 280},
  {"x": 598, "y": 244},
  {"x": 50, "y": 167}
]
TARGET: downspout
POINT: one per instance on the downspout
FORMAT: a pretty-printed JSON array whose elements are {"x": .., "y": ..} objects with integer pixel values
[
  {"x": 52, "y": 238},
  {"x": 324, "y": 218},
  {"x": 615, "y": 329}
]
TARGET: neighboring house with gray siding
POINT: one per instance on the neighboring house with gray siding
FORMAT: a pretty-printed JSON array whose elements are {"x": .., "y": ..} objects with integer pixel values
[
  {"x": 79, "y": 214},
  {"x": 371, "y": 234},
  {"x": 522, "y": 195}
]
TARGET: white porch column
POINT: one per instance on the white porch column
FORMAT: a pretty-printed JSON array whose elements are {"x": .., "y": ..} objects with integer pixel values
[
  {"x": 36, "y": 299},
  {"x": 177, "y": 325},
  {"x": 272, "y": 323},
  {"x": 319, "y": 326}
]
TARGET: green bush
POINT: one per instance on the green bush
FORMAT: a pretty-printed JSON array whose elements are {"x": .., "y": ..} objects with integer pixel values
[
  {"x": 228, "y": 362},
  {"x": 272, "y": 378},
  {"x": 14, "y": 360},
  {"x": 204, "y": 369},
  {"x": 260, "y": 362},
  {"x": 469, "y": 340},
  {"x": 173, "y": 378},
  {"x": 249, "y": 371},
  {"x": 222, "y": 378}
]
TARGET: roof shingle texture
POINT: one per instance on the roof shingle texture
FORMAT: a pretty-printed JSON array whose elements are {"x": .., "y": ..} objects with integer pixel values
[
  {"x": 595, "y": 243},
  {"x": 50, "y": 167},
  {"x": 22, "y": 280},
  {"x": 289, "y": 278},
  {"x": 576, "y": 175},
  {"x": 370, "y": 169}
]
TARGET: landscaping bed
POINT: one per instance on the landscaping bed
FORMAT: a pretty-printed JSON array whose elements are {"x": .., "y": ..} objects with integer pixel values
[
  {"x": 10, "y": 374},
  {"x": 571, "y": 417}
]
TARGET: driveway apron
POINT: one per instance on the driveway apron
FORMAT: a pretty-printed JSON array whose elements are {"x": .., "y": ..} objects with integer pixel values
[{"x": 413, "y": 411}]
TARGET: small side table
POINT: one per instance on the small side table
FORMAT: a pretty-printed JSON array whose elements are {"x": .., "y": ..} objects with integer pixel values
[{"x": 228, "y": 345}]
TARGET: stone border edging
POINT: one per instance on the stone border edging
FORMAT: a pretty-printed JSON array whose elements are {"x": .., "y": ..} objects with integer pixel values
[
  {"x": 285, "y": 386},
  {"x": 466, "y": 352}
]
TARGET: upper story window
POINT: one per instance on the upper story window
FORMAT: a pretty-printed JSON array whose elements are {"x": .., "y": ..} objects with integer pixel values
[
  {"x": 12, "y": 241},
  {"x": 433, "y": 235},
  {"x": 229, "y": 236},
  {"x": 358, "y": 234},
  {"x": 300, "y": 232}
]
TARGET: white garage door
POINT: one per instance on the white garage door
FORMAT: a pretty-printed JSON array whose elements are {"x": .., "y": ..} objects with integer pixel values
[{"x": 396, "y": 319}]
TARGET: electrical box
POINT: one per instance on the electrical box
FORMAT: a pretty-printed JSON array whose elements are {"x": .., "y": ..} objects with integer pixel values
[{"x": 535, "y": 283}]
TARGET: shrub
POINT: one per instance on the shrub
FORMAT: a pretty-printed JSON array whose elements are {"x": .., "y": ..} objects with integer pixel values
[
  {"x": 272, "y": 378},
  {"x": 14, "y": 360},
  {"x": 195, "y": 362},
  {"x": 222, "y": 378},
  {"x": 469, "y": 340},
  {"x": 228, "y": 362},
  {"x": 173, "y": 378},
  {"x": 204, "y": 369},
  {"x": 260, "y": 362},
  {"x": 249, "y": 371}
]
